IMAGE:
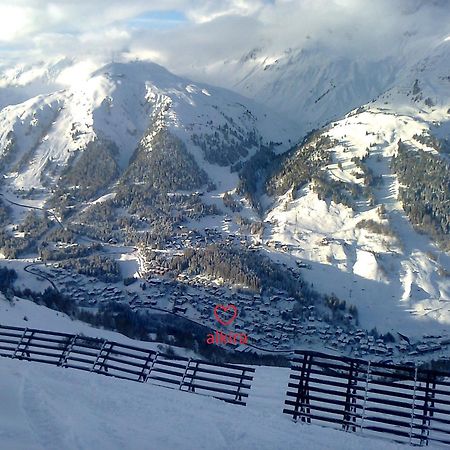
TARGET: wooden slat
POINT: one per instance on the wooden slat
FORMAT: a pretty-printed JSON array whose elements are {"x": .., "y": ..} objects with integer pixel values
[
  {"x": 379, "y": 395},
  {"x": 228, "y": 366},
  {"x": 216, "y": 381},
  {"x": 217, "y": 389},
  {"x": 122, "y": 360},
  {"x": 223, "y": 373}
]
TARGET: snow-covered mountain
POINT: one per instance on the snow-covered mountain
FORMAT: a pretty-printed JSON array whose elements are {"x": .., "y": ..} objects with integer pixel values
[
  {"x": 310, "y": 85},
  {"x": 21, "y": 82},
  {"x": 348, "y": 220},
  {"x": 319, "y": 76},
  {"x": 120, "y": 103}
]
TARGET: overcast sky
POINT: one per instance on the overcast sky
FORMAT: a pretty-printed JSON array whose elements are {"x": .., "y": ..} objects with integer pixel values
[{"x": 176, "y": 32}]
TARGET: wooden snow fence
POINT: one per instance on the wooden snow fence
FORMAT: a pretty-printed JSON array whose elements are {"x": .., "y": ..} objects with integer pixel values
[
  {"x": 406, "y": 404},
  {"x": 227, "y": 382}
]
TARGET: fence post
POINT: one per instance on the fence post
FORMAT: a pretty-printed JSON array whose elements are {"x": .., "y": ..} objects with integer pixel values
[
  {"x": 151, "y": 367},
  {"x": 104, "y": 357},
  {"x": 184, "y": 374},
  {"x": 191, "y": 386},
  {"x": 366, "y": 392},
  {"x": 302, "y": 399},
  {"x": 349, "y": 408},
  {"x": 141, "y": 377},
  {"x": 20, "y": 341},
  {"x": 238, "y": 392},
  {"x": 428, "y": 405},
  {"x": 67, "y": 349},
  {"x": 23, "y": 350},
  {"x": 413, "y": 407}
]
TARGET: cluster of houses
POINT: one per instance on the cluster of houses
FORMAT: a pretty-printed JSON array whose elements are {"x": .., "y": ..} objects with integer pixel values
[
  {"x": 87, "y": 291},
  {"x": 266, "y": 318},
  {"x": 187, "y": 238}
]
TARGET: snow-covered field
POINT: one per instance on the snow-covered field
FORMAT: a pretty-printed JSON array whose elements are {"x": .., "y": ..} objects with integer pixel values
[{"x": 49, "y": 408}]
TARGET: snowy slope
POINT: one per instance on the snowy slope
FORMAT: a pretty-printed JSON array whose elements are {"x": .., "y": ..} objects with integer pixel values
[
  {"x": 52, "y": 408},
  {"x": 25, "y": 313},
  {"x": 394, "y": 279},
  {"x": 21, "y": 82},
  {"x": 319, "y": 74}
]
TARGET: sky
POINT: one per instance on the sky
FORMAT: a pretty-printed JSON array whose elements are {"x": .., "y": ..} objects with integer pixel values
[{"x": 178, "y": 33}]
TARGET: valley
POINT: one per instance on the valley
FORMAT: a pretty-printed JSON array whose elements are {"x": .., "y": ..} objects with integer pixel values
[{"x": 141, "y": 193}]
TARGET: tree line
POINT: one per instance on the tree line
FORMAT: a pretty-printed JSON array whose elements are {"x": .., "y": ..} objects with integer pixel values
[{"x": 425, "y": 190}]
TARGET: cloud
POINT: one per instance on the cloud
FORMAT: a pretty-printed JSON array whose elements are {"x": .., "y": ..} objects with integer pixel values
[
  {"x": 15, "y": 22},
  {"x": 349, "y": 28},
  {"x": 211, "y": 10},
  {"x": 191, "y": 34}
]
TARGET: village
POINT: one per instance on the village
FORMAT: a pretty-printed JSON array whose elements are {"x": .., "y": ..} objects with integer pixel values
[{"x": 266, "y": 318}]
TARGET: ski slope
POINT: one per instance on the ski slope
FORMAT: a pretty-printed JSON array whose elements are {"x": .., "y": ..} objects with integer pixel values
[
  {"x": 25, "y": 313},
  {"x": 47, "y": 407},
  {"x": 51, "y": 408}
]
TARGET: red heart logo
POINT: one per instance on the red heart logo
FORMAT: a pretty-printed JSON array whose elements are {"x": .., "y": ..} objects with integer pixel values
[{"x": 225, "y": 308}]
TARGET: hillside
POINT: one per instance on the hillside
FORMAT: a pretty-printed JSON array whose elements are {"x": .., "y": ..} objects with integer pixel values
[
  {"x": 370, "y": 215},
  {"x": 52, "y": 408},
  {"x": 125, "y": 413},
  {"x": 298, "y": 84},
  {"x": 25, "y": 313},
  {"x": 320, "y": 73}
]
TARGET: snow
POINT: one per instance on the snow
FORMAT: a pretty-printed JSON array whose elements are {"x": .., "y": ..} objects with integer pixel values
[
  {"x": 104, "y": 198},
  {"x": 76, "y": 73},
  {"x": 45, "y": 407},
  {"x": 26, "y": 280},
  {"x": 320, "y": 79},
  {"x": 27, "y": 314},
  {"x": 119, "y": 102},
  {"x": 24, "y": 81},
  {"x": 393, "y": 279},
  {"x": 312, "y": 85},
  {"x": 129, "y": 265},
  {"x": 366, "y": 266}
]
